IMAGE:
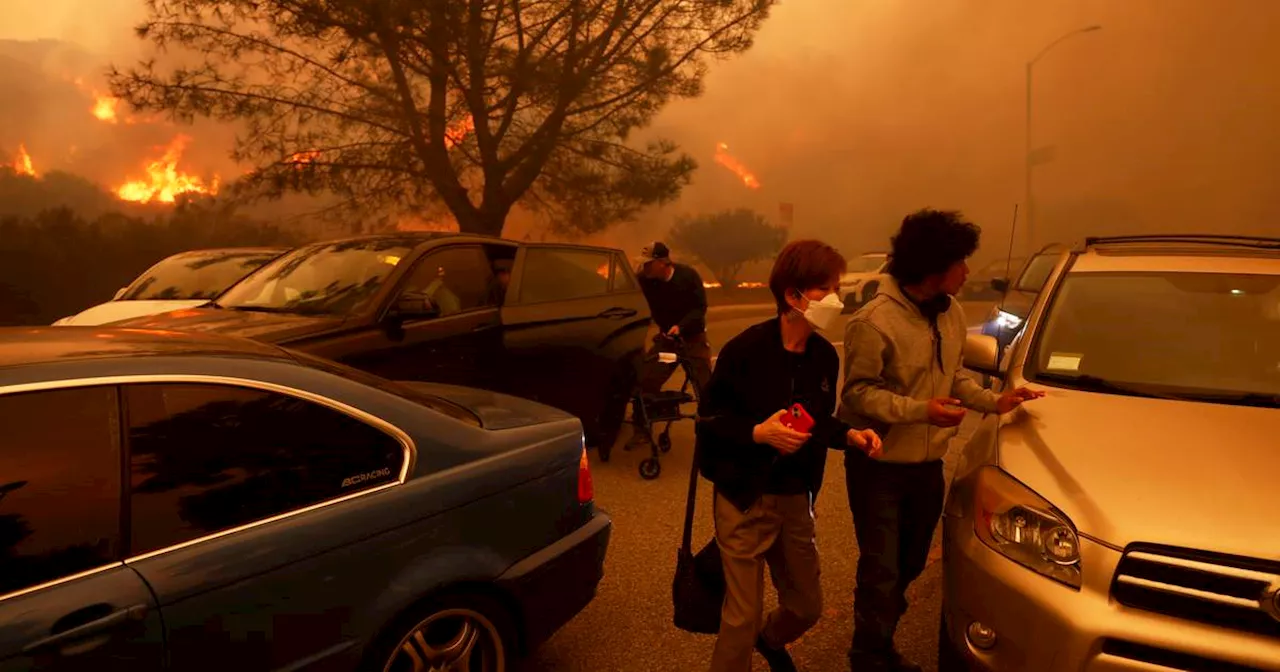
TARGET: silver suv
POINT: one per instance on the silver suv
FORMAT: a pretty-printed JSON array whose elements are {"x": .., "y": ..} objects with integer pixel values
[{"x": 1130, "y": 519}]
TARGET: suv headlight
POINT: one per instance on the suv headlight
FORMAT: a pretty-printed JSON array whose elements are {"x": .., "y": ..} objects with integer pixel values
[
  {"x": 1007, "y": 320},
  {"x": 1022, "y": 526}
]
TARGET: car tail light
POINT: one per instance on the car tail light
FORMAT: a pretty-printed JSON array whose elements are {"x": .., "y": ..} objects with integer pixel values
[{"x": 586, "y": 489}]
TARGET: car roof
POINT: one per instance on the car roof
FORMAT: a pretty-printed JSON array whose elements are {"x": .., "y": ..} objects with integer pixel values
[
  {"x": 221, "y": 250},
  {"x": 23, "y": 346},
  {"x": 414, "y": 239},
  {"x": 1187, "y": 253}
]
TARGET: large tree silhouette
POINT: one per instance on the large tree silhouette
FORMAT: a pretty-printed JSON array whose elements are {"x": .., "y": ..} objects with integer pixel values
[{"x": 473, "y": 105}]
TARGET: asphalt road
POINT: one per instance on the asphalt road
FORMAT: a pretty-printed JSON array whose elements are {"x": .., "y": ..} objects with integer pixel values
[{"x": 627, "y": 628}]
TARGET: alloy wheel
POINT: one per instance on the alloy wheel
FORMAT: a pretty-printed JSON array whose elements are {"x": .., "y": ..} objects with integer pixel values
[{"x": 451, "y": 640}]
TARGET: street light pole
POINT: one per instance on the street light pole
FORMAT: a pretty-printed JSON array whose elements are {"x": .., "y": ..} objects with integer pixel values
[{"x": 1030, "y": 222}]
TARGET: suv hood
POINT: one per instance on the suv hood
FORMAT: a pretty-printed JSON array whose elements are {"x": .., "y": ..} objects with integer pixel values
[
  {"x": 495, "y": 410},
  {"x": 114, "y": 311},
  {"x": 1128, "y": 469},
  {"x": 266, "y": 327}
]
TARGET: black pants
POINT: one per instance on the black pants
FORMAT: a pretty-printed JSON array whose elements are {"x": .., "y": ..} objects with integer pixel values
[{"x": 895, "y": 510}]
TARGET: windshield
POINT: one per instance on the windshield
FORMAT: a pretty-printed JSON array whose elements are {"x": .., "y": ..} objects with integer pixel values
[
  {"x": 196, "y": 275},
  {"x": 865, "y": 264},
  {"x": 1214, "y": 336},
  {"x": 328, "y": 279}
]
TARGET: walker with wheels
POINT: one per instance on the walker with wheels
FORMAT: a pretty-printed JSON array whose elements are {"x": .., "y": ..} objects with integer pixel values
[{"x": 667, "y": 406}]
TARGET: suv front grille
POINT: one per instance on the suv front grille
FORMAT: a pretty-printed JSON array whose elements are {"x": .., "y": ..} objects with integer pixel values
[{"x": 1223, "y": 590}]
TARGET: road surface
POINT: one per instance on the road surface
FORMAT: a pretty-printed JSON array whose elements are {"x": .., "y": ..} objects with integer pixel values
[{"x": 627, "y": 628}]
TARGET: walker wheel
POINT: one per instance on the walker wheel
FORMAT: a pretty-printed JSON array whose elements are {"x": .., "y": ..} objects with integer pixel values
[
  {"x": 650, "y": 468},
  {"x": 664, "y": 442}
]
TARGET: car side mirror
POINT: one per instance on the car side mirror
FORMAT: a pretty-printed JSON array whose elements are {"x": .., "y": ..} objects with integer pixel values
[
  {"x": 1000, "y": 284},
  {"x": 414, "y": 306},
  {"x": 982, "y": 354},
  {"x": 119, "y": 293}
]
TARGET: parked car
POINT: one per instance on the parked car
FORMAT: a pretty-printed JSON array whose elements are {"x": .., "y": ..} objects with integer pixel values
[
  {"x": 1006, "y": 318},
  {"x": 560, "y": 324},
  {"x": 191, "y": 502},
  {"x": 184, "y": 280},
  {"x": 982, "y": 283},
  {"x": 862, "y": 279},
  {"x": 1128, "y": 519}
]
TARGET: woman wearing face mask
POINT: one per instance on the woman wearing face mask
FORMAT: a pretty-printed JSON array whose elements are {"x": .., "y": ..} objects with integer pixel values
[{"x": 766, "y": 474}]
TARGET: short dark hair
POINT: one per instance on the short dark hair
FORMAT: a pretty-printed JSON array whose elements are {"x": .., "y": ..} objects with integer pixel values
[
  {"x": 930, "y": 242},
  {"x": 803, "y": 265}
]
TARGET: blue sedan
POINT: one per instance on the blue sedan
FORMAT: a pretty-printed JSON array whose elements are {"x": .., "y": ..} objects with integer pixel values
[{"x": 185, "y": 502}]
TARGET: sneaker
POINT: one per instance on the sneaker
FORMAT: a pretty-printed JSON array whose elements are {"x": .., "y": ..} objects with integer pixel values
[{"x": 779, "y": 660}]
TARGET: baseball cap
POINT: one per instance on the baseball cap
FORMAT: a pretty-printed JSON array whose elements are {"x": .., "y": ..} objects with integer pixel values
[{"x": 653, "y": 251}]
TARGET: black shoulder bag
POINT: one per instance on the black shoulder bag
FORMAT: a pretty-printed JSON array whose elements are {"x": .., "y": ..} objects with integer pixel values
[{"x": 699, "y": 587}]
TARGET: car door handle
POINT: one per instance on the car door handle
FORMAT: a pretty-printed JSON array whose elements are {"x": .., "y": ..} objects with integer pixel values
[
  {"x": 617, "y": 313},
  {"x": 99, "y": 626}
]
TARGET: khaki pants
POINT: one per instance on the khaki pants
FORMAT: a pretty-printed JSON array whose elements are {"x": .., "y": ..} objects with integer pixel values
[{"x": 779, "y": 530}]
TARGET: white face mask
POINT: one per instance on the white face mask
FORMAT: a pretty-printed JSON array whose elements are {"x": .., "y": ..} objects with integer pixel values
[{"x": 822, "y": 313}]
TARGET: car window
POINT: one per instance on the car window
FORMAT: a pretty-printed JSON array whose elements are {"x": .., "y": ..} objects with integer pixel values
[
  {"x": 59, "y": 484},
  {"x": 327, "y": 279},
  {"x": 1198, "y": 332},
  {"x": 205, "y": 458},
  {"x": 866, "y": 264},
  {"x": 552, "y": 274},
  {"x": 1037, "y": 272},
  {"x": 456, "y": 279},
  {"x": 622, "y": 279},
  {"x": 195, "y": 275}
]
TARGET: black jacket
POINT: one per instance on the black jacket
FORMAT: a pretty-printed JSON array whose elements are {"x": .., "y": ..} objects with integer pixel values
[
  {"x": 681, "y": 301},
  {"x": 755, "y": 377}
]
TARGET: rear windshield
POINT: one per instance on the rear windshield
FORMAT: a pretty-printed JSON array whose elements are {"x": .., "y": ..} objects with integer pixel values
[{"x": 1214, "y": 336}]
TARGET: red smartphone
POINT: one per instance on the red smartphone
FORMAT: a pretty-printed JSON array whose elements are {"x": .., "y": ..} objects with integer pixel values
[{"x": 798, "y": 419}]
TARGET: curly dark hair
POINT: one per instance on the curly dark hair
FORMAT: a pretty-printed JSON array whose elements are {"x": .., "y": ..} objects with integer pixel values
[{"x": 929, "y": 242}]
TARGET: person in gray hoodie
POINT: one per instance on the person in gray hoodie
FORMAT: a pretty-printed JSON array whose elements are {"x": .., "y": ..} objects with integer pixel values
[{"x": 902, "y": 361}]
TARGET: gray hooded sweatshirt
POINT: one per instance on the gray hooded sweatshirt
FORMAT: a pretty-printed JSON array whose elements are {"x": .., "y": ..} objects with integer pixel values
[{"x": 893, "y": 367}]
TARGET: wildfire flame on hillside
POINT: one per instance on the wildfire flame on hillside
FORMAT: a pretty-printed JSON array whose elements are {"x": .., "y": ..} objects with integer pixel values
[
  {"x": 104, "y": 108},
  {"x": 724, "y": 158},
  {"x": 22, "y": 162},
  {"x": 164, "y": 182}
]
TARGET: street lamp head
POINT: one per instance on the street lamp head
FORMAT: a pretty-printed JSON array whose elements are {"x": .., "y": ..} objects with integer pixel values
[{"x": 1092, "y": 28}]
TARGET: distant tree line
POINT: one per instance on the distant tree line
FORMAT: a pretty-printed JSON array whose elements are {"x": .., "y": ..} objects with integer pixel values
[{"x": 58, "y": 262}]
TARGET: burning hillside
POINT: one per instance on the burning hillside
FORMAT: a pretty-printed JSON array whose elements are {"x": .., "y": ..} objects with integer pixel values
[
  {"x": 21, "y": 163},
  {"x": 66, "y": 122},
  {"x": 164, "y": 182}
]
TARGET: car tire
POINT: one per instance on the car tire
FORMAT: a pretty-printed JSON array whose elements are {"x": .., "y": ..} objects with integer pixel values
[
  {"x": 949, "y": 659},
  {"x": 613, "y": 415},
  {"x": 445, "y": 633}
]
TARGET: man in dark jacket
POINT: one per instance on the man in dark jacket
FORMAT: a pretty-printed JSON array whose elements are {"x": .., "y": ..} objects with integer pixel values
[{"x": 678, "y": 303}]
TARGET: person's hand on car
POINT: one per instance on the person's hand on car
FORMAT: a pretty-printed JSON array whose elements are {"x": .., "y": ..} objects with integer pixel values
[
  {"x": 945, "y": 412},
  {"x": 1014, "y": 398},
  {"x": 867, "y": 440},
  {"x": 772, "y": 432}
]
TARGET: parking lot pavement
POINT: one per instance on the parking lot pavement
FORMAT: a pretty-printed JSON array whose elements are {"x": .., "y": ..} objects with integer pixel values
[{"x": 627, "y": 628}]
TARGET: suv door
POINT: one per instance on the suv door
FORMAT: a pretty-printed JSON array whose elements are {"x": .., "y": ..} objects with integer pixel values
[
  {"x": 459, "y": 343},
  {"x": 573, "y": 325},
  {"x": 67, "y": 602}
]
